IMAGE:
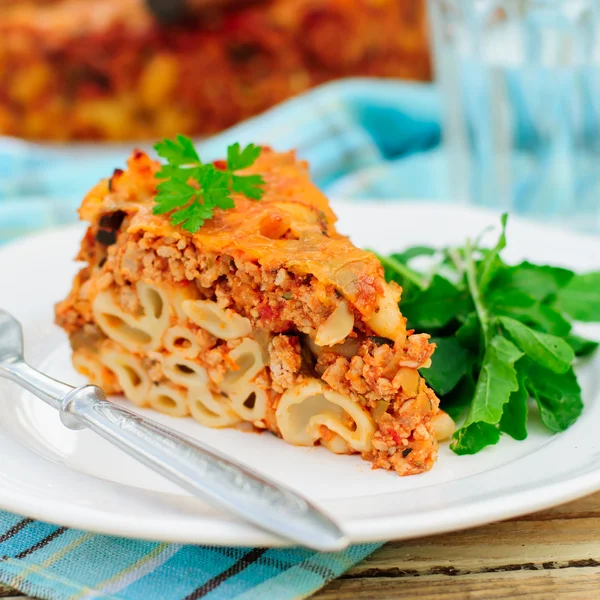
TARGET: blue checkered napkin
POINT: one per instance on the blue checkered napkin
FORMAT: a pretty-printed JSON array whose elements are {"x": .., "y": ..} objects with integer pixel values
[
  {"x": 58, "y": 563},
  {"x": 350, "y": 131}
]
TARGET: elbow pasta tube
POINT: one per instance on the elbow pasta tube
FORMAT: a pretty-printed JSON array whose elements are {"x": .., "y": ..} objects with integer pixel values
[
  {"x": 181, "y": 341},
  {"x": 89, "y": 367},
  {"x": 169, "y": 399},
  {"x": 337, "y": 327},
  {"x": 136, "y": 333},
  {"x": 311, "y": 404},
  {"x": 387, "y": 321},
  {"x": 248, "y": 400},
  {"x": 207, "y": 408},
  {"x": 130, "y": 374},
  {"x": 223, "y": 323}
]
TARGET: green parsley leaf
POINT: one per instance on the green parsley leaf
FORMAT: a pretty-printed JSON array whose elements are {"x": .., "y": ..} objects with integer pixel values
[
  {"x": 179, "y": 151},
  {"x": 241, "y": 159},
  {"x": 549, "y": 351},
  {"x": 191, "y": 190},
  {"x": 249, "y": 185},
  {"x": 581, "y": 297}
]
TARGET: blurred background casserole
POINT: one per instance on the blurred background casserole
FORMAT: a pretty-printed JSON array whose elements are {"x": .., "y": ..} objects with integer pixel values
[{"x": 127, "y": 69}]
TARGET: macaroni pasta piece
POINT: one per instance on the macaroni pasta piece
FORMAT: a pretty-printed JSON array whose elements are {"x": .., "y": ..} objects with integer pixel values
[
  {"x": 223, "y": 323},
  {"x": 303, "y": 411},
  {"x": 248, "y": 400},
  {"x": 136, "y": 333},
  {"x": 337, "y": 327},
  {"x": 169, "y": 399},
  {"x": 180, "y": 340},
  {"x": 130, "y": 374}
]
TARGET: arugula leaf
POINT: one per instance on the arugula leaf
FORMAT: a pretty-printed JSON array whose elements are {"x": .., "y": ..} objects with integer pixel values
[
  {"x": 537, "y": 281},
  {"x": 581, "y": 297},
  {"x": 520, "y": 305},
  {"x": 491, "y": 263},
  {"x": 450, "y": 365},
  {"x": 436, "y": 306},
  {"x": 191, "y": 190},
  {"x": 458, "y": 400},
  {"x": 474, "y": 438},
  {"x": 547, "y": 319},
  {"x": 414, "y": 252},
  {"x": 514, "y": 416},
  {"x": 469, "y": 333},
  {"x": 497, "y": 380},
  {"x": 503, "y": 333},
  {"x": 548, "y": 350},
  {"x": 558, "y": 395},
  {"x": 581, "y": 346}
]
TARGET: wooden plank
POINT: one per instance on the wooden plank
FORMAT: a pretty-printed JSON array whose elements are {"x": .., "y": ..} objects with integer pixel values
[
  {"x": 8, "y": 594},
  {"x": 559, "y": 584},
  {"x": 536, "y": 543}
]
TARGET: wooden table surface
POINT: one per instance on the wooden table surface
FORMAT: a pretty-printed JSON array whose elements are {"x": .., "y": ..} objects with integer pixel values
[{"x": 543, "y": 556}]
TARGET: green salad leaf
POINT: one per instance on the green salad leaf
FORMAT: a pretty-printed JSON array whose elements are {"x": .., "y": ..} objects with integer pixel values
[
  {"x": 503, "y": 333},
  {"x": 581, "y": 297}
]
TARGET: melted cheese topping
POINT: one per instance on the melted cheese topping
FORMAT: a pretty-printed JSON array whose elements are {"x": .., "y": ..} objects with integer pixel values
[{"x": 291, "y": 206}]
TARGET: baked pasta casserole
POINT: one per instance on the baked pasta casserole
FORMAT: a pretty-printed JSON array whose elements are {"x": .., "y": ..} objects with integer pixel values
[
  {"x": 266, "y": 317},
  {"x": 107, "y": 70}
]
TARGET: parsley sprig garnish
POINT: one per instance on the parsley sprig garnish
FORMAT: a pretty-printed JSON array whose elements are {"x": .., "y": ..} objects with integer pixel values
[
  {"x": 191, "y": 189},
  {"x": 503, "y": 335}
]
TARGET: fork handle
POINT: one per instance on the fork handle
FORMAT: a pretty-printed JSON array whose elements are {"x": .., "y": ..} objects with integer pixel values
[
  {"x": 186, "y": 462},
  {"x": 203, "y": 471},
  {"x": 43, "y": 386}
]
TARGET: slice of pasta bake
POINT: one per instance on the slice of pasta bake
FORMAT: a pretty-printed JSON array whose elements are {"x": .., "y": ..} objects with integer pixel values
[{"x": 265, "y": 316}]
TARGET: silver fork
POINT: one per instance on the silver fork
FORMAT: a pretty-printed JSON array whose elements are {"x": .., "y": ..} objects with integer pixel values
[{"x": 186, "y": 462}]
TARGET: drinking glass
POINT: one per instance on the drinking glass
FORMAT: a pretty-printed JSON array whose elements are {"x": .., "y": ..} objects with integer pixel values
[{"x": 520, "y": 85}]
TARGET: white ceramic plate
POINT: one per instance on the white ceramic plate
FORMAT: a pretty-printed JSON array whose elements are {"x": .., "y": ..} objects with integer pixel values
[{"x": 76, "y": 479}]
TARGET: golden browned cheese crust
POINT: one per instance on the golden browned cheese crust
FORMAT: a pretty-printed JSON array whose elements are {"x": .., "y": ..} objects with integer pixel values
[
  {"x": 106, "y": 69},
  {"x": 308, "y": 242},
  {"x": 288, "y": 280}
]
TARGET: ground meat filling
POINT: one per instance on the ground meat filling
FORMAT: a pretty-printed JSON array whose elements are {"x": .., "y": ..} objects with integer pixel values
[{"x": 285, "y": 362}]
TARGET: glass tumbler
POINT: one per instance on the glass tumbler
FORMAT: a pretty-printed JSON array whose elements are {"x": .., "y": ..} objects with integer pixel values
[{"x": 520, "y": 85}]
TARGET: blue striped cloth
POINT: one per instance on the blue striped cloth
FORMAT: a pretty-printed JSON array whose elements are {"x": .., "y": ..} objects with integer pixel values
[
  {"x": 354, "y": 134},
  {"x": 53, "y": 562}
]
